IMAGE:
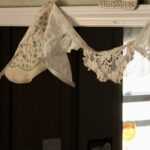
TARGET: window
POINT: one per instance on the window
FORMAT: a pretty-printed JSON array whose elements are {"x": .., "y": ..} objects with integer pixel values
[{"x": 136, "y": 100}]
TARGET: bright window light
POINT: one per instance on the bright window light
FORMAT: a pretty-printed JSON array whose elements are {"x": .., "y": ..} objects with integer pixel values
[
  {"x": 136, "y": 111},
  {"x": 136, "y": 104}
]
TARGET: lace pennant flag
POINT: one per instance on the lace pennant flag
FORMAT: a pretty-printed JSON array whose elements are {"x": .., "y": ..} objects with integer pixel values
[{"x": 121, "y": 4}]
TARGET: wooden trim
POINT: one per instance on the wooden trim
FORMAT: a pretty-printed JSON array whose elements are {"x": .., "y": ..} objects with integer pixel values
[{"x": 91, "y": 16}]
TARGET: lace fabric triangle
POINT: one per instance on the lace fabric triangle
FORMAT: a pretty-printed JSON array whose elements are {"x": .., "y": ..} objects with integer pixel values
[
  {"x": 26, "y": 64},
  {"x": 44, "y": 46}
]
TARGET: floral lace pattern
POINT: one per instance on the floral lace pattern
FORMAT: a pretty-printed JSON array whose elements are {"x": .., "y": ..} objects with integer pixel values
[
  {"x": 26, "y": 63},
  {"x": 27, "y": 54},
  {"x": 109, "y": 65}
]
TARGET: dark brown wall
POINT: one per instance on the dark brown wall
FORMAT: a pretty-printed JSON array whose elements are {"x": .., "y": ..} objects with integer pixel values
[
  {"x": 33, "y": 112},
  {"x": 99, "y": 103},
  {"x": 4, "y": 90},
  {"x": 47, "y": 108}
]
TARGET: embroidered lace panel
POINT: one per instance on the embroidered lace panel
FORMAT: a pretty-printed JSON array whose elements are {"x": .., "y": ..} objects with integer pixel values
[
  {"x": 45, "y": 46},
  {"x": 26, "y": 64}
]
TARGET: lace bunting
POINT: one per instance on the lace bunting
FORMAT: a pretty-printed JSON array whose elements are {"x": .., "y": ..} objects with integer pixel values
[{"x": 49, "y": 39}]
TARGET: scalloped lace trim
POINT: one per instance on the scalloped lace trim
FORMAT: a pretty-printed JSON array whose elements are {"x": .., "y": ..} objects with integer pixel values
[{"x": 109, "y": 65}]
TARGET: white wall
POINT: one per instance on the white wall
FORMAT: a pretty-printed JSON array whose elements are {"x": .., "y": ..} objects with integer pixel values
[{"x": 4, "y": 3}]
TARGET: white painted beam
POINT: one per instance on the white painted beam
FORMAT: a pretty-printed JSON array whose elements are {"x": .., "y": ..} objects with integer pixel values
[{"x": 88, "y": 16}]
